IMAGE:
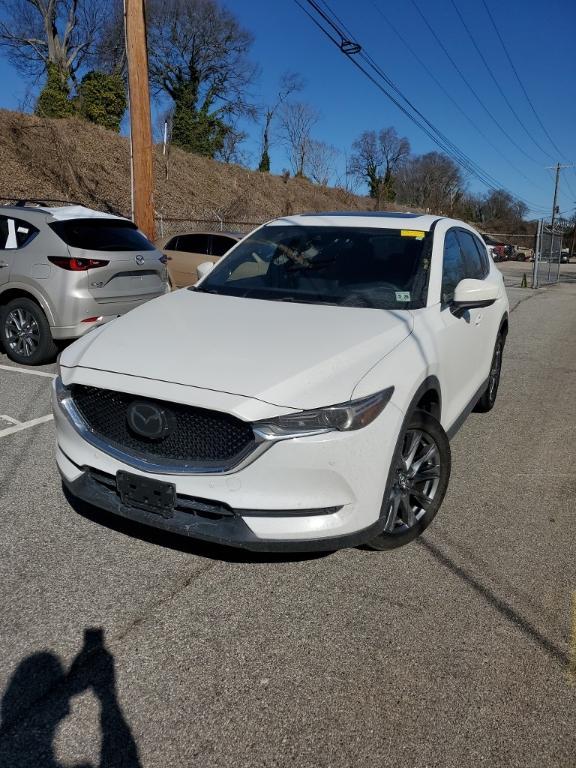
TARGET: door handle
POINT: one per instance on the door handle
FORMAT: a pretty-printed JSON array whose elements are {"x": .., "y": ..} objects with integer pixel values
[{"x": 3, "y": 264}]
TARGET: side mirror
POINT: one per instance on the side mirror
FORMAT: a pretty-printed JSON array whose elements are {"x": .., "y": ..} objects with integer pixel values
[
  {"x": 472, "y": 294},
  {"x": 204, "y": 268}
]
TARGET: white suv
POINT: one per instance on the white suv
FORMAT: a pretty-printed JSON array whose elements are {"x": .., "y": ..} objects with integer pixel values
[{"x": 301, "y": 396}]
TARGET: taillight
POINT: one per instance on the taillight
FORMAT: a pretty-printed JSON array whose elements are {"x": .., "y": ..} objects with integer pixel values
[{"x": 77, "y": 265}]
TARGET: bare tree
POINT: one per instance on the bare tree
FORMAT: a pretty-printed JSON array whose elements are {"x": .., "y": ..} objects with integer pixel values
[
  {"x": 377, "y": 157},
  {"x": 231, "y": 151},
  {"x": 64, "y": 34},
  {"x": 321, "y": 161},
  {"x": 431, "y": 181},
  {"x": 366, "y": 161},
  {"x": 290, "y": 83},
  {"x": 296, "y": 122}
]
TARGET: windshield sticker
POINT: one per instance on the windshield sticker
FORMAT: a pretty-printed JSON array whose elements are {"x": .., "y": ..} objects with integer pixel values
[
  {"x": 415, "y": 233},
  {"x": 402, "y": 295}
]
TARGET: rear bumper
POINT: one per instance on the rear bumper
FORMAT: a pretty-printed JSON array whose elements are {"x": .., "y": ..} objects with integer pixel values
[
  {"x": 62, "y": 332},
  {"x": 87, "y": 307}
]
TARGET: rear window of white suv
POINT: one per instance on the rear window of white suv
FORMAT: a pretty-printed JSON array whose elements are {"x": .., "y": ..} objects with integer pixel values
[{"x": 101, "y": 235}]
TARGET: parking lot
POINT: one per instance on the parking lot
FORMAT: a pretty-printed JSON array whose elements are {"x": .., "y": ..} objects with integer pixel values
[{"x": 457, "y": 650}]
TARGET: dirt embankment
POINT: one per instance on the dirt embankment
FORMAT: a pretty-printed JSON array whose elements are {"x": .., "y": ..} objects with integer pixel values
[{"x": 75, "y": 160}]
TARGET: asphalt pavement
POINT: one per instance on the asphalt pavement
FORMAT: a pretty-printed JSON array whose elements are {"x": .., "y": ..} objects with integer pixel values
[{"x": 124, "y": 647}]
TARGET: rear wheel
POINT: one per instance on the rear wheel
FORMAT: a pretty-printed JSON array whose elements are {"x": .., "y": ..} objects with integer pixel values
[
  {"x": 420, "y": 474},
  {"x": 488, "y": 399},
  {"x": 25, "y": 333}
]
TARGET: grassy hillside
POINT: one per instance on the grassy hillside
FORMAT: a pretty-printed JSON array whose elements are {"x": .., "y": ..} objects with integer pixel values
[{"x": 75, "y": 160}]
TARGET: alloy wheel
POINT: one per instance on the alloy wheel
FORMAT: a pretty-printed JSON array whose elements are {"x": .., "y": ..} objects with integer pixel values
[
  {"x": 22, "y": 332},
  {"x": 495, "y": 372},
  {"x": 415, "y": 482}
]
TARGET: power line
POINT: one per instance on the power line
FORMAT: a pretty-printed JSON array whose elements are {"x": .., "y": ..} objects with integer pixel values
[
  {"x": 495, "y": 81},
  {"x": 470, "y": 86},
  {"x": 344, "y": 41},
  {"x": 439, "y": 138},
  {"x": 449, "y": 96},
  {"x": 520, "y": 83}
]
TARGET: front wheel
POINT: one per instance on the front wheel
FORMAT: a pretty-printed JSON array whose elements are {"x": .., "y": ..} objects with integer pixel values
[{"x": 416, "y": 488}]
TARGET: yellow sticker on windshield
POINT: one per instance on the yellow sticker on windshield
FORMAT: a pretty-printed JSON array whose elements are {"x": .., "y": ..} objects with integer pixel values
[{"x": 418, "y": 234}]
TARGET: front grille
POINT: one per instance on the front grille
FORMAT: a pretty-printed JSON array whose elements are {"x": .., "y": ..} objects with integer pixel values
[{"x": 197, "y": 436}]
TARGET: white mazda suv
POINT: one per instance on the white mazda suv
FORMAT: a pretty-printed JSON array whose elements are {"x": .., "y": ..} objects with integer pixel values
[{"x": 301, "y": 396}]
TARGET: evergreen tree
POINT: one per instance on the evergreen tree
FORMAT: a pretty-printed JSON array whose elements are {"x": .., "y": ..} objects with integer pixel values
[
  {"x": 54, "y": 99},
  {"x": 101, "y": 99}
]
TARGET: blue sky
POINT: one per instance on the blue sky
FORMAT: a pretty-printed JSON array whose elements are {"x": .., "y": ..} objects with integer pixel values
[{"x": 540, "y": 41}]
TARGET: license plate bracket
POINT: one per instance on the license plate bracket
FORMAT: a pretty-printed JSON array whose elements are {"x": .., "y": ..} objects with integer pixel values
[{"x": 146, "y": 493}]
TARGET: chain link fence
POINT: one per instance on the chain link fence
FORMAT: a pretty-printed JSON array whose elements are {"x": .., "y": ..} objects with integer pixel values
[{"x": 548, "y": 256}]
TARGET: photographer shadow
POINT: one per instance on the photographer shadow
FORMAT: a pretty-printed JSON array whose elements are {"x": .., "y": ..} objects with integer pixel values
[{"x": 37, "y": 700}]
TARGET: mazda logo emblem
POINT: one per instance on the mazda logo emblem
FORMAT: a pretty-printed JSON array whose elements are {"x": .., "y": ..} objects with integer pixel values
[
  {"x": 149, "y": 420},
  {"x": 139, "y": 259}
]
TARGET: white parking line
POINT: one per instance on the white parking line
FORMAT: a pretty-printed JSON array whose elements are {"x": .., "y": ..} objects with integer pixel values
[
  {"x": 25, "y": 370},
  {"x": 25, "y": 425}
]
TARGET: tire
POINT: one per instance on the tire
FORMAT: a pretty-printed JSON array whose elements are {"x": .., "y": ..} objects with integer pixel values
[
  {"x": 25, "y": 333},
  {"x": 406, "y": 515},
  {"x": 488, "y": 399}
]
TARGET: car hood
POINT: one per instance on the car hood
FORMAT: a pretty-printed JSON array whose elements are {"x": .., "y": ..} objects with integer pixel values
[{"x": 283, "y": 353}]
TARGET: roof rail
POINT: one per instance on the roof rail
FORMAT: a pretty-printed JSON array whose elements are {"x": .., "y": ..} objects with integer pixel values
[{"x": 25, "y": 201}]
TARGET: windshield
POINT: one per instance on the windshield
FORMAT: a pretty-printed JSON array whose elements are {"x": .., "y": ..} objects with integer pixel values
[{"x": 346, "y": 266}]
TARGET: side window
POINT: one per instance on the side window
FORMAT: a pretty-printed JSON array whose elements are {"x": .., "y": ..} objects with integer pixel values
[
  {"x": 483, "y": 255},
  {"x": 221, "y": 245},
  {"x": 172, "y": 244},
  {"x": 193, "y": 243},
  {"x": 453, "y": 268},
  {"x": 473, "y": 262},
  {"x": 3, "y": 231},
  {"x": 24, "y": 232}
]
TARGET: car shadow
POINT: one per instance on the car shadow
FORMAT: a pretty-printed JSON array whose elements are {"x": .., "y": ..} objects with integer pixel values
[
  {"x": 495, "y": 601},
  {"x": 182, "y": 543},
  {"x": 38, "y": 698}
]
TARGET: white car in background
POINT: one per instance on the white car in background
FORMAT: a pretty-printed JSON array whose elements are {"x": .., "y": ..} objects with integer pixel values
[{"x": 301, "y": 396}]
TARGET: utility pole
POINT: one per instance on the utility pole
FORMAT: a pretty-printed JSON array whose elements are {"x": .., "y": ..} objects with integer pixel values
[
  {"x": 558, "y": 166},
  {"x": 140, "y": 124}
]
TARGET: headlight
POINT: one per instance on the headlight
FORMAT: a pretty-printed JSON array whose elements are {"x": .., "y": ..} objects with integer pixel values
[{"x": 343, "y": 418}]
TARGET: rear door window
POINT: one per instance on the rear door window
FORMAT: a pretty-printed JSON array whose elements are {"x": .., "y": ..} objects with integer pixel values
[
  {"x": 221, "y": 245},
  {"x": 102, "y": 235},
  {"x": 193, "y": 243},
  {"x": 15, "y": 233},
  {"x": 3, "y": 232}
]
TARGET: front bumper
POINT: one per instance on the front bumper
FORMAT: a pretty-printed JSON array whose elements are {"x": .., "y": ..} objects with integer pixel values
[{"x": 303, "y": 494}]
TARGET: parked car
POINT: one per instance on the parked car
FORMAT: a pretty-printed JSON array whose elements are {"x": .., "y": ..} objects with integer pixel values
[
  {"x": 186, "y": 251},
  {"x": 495, "y": 248},
  {"x": 564, "y": 255},
  {"x": 335, "y": 356},
  {"x": 64, "y": 271}
]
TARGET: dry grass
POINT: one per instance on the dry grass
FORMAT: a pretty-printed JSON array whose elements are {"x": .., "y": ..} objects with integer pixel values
[{"x": 74, "y": 160}]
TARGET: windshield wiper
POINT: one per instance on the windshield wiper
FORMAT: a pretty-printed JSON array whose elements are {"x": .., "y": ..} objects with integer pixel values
[{"x": 294, "y": 300}]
